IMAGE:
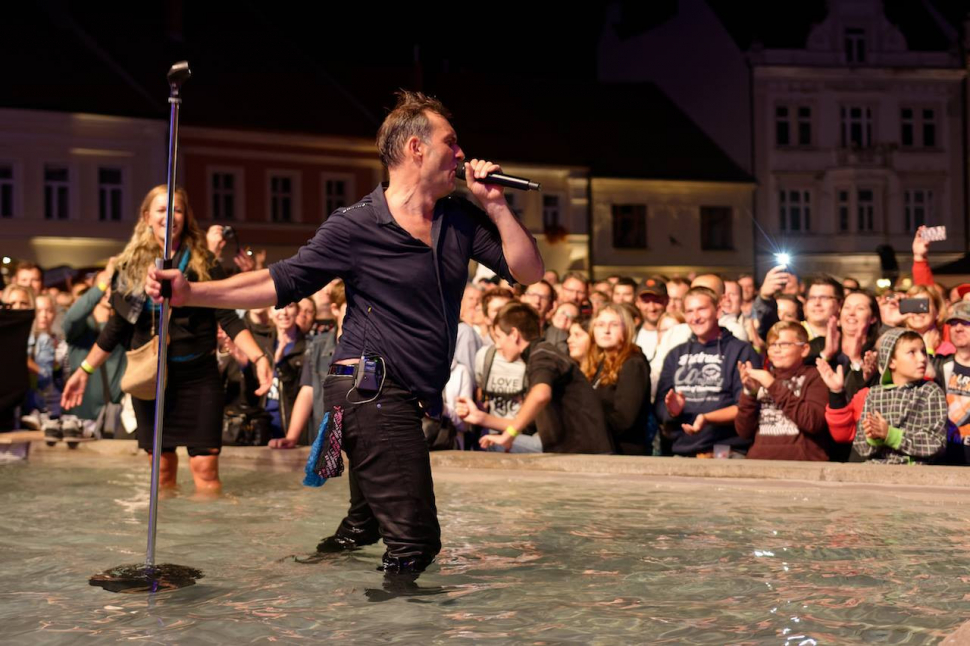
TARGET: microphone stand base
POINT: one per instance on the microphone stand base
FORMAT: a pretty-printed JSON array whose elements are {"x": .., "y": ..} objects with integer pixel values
[{"x": 139, "y": 578}]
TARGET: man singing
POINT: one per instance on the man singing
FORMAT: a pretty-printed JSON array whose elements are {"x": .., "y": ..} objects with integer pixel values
[{"x": 403, "y": 254}]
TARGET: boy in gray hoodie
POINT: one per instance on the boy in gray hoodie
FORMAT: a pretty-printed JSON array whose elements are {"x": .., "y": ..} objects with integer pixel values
[{"x": 904, "y": 418}]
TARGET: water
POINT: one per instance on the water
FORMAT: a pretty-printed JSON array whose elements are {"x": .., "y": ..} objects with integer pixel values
[{"x": 528, "y": 558}]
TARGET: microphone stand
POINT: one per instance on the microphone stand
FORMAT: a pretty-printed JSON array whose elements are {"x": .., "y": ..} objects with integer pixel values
[{"x": 151, "y": 577}]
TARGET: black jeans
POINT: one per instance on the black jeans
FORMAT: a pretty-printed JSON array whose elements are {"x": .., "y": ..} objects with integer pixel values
[{"x": 391, "y": 491}]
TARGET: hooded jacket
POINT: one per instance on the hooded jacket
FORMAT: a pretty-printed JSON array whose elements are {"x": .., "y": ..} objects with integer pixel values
[
  {"x": 916, "y": 413},
  {"x": 706, "y": 374}
]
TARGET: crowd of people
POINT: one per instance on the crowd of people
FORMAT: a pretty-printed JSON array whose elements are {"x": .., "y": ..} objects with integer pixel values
[{"x": 796, "y": 368}]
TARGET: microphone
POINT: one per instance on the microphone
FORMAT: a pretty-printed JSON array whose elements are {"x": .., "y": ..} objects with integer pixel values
[{"x": 508, "y": 181}]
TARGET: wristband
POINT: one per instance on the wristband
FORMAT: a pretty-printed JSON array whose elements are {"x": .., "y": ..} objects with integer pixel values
[
  {"x": 87, "y": 367},
  {"x": 511, "y": 431},
  {"x": 256, "y": 360},
  {"x": 103, "y": 287}
]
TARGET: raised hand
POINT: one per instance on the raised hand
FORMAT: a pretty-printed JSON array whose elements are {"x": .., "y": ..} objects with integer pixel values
[
  {"x": 921, "y": 247},
  {"x": 833, "y": 338},
  {"x": 674, "y": 402},
  {"x": 775, "y": 280},
  {"x": 477, "y": 169},
  {"x": 834, "y": 379}
]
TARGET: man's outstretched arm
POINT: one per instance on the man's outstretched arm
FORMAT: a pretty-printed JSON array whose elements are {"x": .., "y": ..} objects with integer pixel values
[{"x": 248, "y": 290}]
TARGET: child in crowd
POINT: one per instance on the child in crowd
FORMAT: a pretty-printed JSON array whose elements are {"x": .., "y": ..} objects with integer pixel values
[
  {"x": 567, "y": 413},
  {"x": 783, "y": 408},
  {"x": 902, "y": 420},
  {"x": 46, "y": 354}
]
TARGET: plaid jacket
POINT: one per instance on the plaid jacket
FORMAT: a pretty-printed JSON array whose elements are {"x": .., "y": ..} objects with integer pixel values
[{"x": 916, "y": 413}]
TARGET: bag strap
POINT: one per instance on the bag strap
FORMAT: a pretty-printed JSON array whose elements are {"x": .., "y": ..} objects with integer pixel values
[{"x": 489, "y": 359}]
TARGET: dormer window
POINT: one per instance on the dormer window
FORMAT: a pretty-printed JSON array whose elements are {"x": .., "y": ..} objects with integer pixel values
[{"x": 855, "y": 45}]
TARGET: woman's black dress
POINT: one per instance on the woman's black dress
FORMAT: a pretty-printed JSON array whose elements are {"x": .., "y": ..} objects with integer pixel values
[{"x": 194, "y": 393}]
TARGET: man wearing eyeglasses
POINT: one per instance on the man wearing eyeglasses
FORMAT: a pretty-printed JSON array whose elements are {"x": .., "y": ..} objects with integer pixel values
[
  {"x": 825, "y": 295},
  {"x": 574, "y": 289},
  {"x": 783, "y": 408},
  {"x": 542, "y": 297}
]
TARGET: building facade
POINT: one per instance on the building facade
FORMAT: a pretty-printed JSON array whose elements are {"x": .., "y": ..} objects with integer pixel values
[{"x": 858, "y": 141}]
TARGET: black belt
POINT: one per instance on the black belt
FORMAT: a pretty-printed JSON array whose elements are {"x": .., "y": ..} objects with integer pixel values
[{"x": 341, "y": 370}]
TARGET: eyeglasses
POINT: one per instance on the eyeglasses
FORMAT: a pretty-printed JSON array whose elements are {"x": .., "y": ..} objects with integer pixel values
[
  {"x": 541, "y": 297},
  {"x": 820, "y": 298},
  {"x": 783, "y": 345}
]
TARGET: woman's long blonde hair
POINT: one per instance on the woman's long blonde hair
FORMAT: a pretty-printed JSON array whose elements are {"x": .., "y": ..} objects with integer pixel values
[
  {"x": 142, "y": 248},
  {"x": 611, "y": 360}
]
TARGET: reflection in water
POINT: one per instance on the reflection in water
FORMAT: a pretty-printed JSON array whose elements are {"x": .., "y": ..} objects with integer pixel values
[{"x": 552, "y": 559}]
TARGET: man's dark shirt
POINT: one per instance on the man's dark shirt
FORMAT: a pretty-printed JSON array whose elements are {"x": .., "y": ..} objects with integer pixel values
[
  {"x": 403, "y": 297},
  {"x": 572, "y": 422}
]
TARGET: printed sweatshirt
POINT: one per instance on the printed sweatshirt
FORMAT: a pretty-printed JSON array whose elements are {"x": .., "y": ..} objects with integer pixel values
[
  {"x": 787, "y": 421},
  {"x": 706, "y": 374}
]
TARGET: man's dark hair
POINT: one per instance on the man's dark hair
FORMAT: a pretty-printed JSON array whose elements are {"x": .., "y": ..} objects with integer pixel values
[
  {"x": 521, "y": 317},
  {"x": 552, "y": 290},
  {"x": 626, "y": 280},
  {"x": 499, "y": 292},
  {"x": 824, "y": 279},
  {"x": 794, "y": 299},
  {"x": 407, "y": 119}
]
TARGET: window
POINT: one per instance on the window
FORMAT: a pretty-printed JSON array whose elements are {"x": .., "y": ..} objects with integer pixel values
[
  {"x": 109, "y": 194},
  {"x": 716, "y": 228},
  {"x": 795, "y": 211},
  {"x": 782, "y": 134},
  {"x": 843, "y": 210},
  {"x": 866, "y": 209},
  {"x": 629, "y": 226},
  {"x": 550, "y": 212},
  {"x": 906, "y": 127},
  {"x": 6, "y": 191},
  {"x": 57, "y": 191},
  {"x": 856, "y": 126},
  {"x": 281, "y": 198},
  {"x": 917, "y": 127},
  {"x": 929, "y": 128},
  {"x": 793, "y": 125},
  {"x": 917, "y": 208},
  {"x": 855, "y": 45},
  {"x": 512, "y": 201},
  {"x": 804, "y": 126},
  {"x": 337, "y": 191},
  {"x": 222, "y": 186}
]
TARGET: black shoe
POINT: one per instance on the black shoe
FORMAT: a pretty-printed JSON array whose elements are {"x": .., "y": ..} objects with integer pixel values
[
  {"x": 332, "y": 544},
  {"x": 405, "y": 565}
]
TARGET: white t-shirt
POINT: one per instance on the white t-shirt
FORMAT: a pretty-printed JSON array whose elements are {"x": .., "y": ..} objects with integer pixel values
[{"x": 505, "y": 389}]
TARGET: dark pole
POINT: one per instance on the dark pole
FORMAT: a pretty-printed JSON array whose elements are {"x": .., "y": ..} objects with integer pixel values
[{"x": 176, "y": 77}]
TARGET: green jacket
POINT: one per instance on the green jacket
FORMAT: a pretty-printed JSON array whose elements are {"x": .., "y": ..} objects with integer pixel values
[{"x": 80, "y": 332}]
